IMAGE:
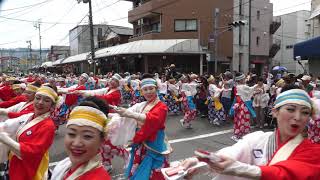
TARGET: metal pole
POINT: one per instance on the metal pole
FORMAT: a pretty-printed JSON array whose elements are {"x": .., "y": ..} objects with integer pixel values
[
  {"x": 216, "y": 25},
  {"x": 38, "y": 26},
  {"x": 91, "y": 38},
  {"x": 40, "y": 44},
  {"x": 249, "y": 43}
]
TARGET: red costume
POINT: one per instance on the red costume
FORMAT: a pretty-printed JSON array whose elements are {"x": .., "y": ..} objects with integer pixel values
[
  {"x": 13, "y": 101},
  {"x": 35, "y": 139},
  {"x": 113, "y": 97},
  {"x": 28, "y": 108},
  {"x": 71, "y": 99},
  {"x": 303, "y": 163},
  {"x": 6, "y": 93},
  {"x": 94, "y": 174}
]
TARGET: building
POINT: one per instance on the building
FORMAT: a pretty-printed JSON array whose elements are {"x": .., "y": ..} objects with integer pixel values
[
  {"x": 295, "y": 28},
  {"x": 176, "y": 20},
  {"x": 253, "y": 44},
  {"x": 309, "y": 49},
  {"x": 315, "y": 18},
  {"x": 79, "y": 37},
  {"x": 20, "y": 59},
  {"x": 58, "y": 52}
]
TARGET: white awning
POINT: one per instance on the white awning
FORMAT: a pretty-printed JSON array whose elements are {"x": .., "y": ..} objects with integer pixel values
[
  {"x": 76, "y": 58},
  {"x": 57, "y": 62},
  {"x": 315, "y": 12},
  {"x": 47, "y": 64},
  {"x": 163, "y": 46}
]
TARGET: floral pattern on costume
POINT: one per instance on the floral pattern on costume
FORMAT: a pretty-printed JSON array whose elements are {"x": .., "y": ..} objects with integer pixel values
[
  {"x": 172, "y": 103},
  {"x": 189, "y": 114},
  {"x": 241, "y": 119},
  {"x": 108, "y": 151},
  {"x": 314, "y": 131},
  {"x": 216, "y": 117},
  {"x": 139, "y": 155}
]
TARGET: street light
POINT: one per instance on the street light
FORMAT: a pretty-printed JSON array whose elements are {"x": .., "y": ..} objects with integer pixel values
[
  {"x": 91, "y": 33},
  {"x": 30, "y": 56},
  {"x": 298, "y": 58}
]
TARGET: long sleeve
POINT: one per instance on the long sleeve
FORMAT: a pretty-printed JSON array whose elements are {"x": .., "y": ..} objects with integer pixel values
[
  {"x": 113, "y": 98},
  {"x": 71, "y": 99},
  {"x": 18, "y": 110},
  {"x": 303, "y": 163},
  {"x": 155, "y": 120},
  {"x": 96, "y": 92},
  {"x": 13, "y": 101},
  {"x": 42, "y": 139}
]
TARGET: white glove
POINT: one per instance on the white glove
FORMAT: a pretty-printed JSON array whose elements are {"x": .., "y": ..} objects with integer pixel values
[
  {"x": 243, "y": 170},
  {"x": 13, "y": 145}
]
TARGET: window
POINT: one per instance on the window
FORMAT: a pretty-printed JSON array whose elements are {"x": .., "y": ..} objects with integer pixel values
[
  {"x": 185, "y": 25},
  {"x": 258, "y": 41},
  {"x": 258, "y": 15},
  {"x": 155, "y": 27},
  {"x": 289, "y": 46}
]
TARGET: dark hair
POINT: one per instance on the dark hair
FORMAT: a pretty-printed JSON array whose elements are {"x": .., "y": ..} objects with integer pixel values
[
  {"x": 52, "y": 86},
  {"x": 97, "y": 103},
  {"x": 16, "y": 82},
  {"x": 260, "y": 79},
  {"x": 289, "y": 87},
  {"x": 36, "y": 83},
  {"x": 147, "y": 75}
]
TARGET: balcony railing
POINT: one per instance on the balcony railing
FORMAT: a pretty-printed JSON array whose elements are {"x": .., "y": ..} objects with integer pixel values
[{"x": 144, "y": 33}]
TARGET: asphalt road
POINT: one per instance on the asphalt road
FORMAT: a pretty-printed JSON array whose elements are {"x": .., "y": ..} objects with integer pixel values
[{"x": 184, "y": 141}]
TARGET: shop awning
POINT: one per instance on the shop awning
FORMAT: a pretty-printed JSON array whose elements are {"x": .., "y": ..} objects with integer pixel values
[
  {"x": 315, "y": 12},
  {"x": 47, "y": 64},
  {"x": 76, "y": 58},
  {"x": 307, "y": 49},
  {"x": 163, "y": 46},
  {"x": 57, "y": 62}
]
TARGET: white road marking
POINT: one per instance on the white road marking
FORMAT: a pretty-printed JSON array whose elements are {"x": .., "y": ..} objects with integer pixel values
[
  {"x": 200, "y": 136},
  {"x": 180, "y": 140}
]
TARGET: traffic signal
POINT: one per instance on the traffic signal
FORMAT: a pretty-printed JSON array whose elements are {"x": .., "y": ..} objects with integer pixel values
[{"x": 238, "y": 23}]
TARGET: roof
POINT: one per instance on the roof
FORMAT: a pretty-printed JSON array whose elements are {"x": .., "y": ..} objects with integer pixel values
[
  {"x": 315, "y": 12},
  {"x": 57, "y": 62},
  {"x": 76, "y": 58},
  {"x": 121, "y": 30},
  {"x": 163, "y": 46},
  {"x": 307, "y": 49},
  {"x": 47, "y": 64},
  {"x": 167, "y": 46}
]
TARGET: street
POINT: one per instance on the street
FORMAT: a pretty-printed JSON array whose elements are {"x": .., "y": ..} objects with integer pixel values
[{"x": 183, "y": 141}]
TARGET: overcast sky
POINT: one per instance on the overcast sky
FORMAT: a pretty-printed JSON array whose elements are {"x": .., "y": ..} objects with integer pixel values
[{"x": 59, "y": 16}]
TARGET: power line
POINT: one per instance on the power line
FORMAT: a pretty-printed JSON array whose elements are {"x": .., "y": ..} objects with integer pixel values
[
  {"x": 32, "y": 5},
  {"x": 76, "y": 25},
  {"x": 63, "y": 16}
]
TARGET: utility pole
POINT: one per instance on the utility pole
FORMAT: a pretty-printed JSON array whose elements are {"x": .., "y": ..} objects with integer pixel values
[
  {"x": 30, "y": 56},
  {"x": 91, "y": 34},
  {"x": 216, "y": 25},
  {"x": 37, "y": 26}
]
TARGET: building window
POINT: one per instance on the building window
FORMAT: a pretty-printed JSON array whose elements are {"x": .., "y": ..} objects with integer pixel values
[
  {"x": 258, "y": 15},
  {"x": 289, "y": 46},
  {"x": 258, "y": 41},
  {"x": 155, "y": 27},
  {"x": 185, "y": 25}
]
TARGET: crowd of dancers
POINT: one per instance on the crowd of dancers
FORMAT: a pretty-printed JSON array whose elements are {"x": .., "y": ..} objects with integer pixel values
[{"x": 246, "y": 101}]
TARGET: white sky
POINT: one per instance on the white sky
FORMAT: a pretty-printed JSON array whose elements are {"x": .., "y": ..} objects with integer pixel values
[{"x": 68, "y": 13}]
